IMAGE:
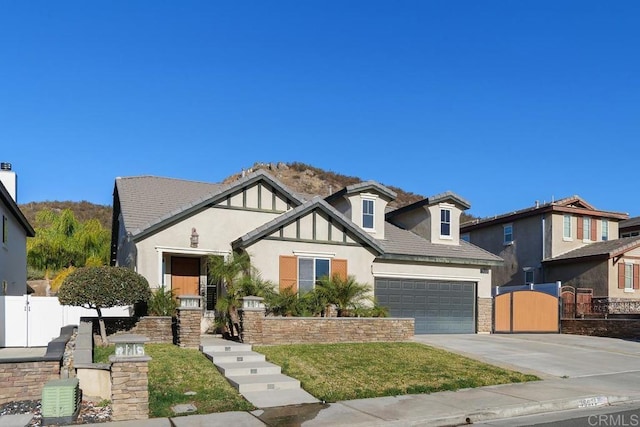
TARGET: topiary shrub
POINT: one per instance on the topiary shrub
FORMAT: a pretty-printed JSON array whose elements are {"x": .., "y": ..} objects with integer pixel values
[{"x": 103, "y": 287}]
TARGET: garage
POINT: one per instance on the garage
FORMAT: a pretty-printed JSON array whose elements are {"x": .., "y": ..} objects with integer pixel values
[{"x": 438, "y": 307}]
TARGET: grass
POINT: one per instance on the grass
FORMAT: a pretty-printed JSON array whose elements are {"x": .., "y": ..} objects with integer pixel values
[
  {"x": 174, "y": 371},
  {"x": 333, "y": 372}
]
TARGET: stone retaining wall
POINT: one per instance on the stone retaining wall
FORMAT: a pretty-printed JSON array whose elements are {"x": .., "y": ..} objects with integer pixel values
[
  {"x": 159, "y": 329},
  {"x": 258, "y": 329},
  {"x": 614, "y": 328},
  {"x": 25, "y": 380},
  {"x": 485, "y": 307}
]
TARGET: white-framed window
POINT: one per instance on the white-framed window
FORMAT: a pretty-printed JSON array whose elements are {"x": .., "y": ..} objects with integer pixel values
[
  {"x": 605, "y": 230},
  {"x": 310, "y": 270},
  {"x": 508, "y": 234},
  {"x": 445, "y": 222},
  {"x": 529, "y": 275},
  {"x": 628, "y": 277},
  {"x": 368, "y": 209},
  {"x": 586, "y": 228},
  {"x": 566, "y": 233}
]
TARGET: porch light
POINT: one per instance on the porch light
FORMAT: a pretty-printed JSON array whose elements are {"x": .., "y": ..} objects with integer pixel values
[
  {"x": 189, "y": 301},
  {"x": 129, "y": 345},
  {"x": 194, "y": 238}
]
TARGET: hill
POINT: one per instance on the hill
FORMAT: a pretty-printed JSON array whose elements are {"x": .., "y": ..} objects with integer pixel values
[
  {"x": 299, "y": 177},
  {"x": 307, "y": 179},
  {"x": 82, "y": 211}
]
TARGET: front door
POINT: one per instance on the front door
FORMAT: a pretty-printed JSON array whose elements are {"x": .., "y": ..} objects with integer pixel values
[{"x": 185, "y": 276}]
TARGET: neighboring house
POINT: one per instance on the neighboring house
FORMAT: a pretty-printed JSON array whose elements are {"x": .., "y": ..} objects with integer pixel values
[
  {"x": 411, "y": 257},
  {"x": 14, "y": 232},
  {"x": 535, "y": 241},
  {"x": 630, "y": 227},
  {"x": 610, "y": 269}
]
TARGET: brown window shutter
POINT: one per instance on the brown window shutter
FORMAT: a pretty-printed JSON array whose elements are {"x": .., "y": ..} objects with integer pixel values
[
  {"x": 594, "y": 230},
  {"x": 621, "y": 275},
  {"x": 339, "y": 267},
  {"x": 289, "y": 272},
  {"x": 636, "y": 276},
  {"x": 580, "y": 233}
]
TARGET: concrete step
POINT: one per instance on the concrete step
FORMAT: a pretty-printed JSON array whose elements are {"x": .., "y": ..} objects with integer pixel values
[
  {"x": 271, "y": 398},
  {"x": 224, "y": 347},
  {"x": 248, "y": 383},
  {"x": 235, "y": 356},
  {"x": 247, "y": 368}
]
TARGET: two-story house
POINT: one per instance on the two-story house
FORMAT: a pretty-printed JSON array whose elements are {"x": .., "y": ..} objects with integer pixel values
[
  {"x": 412, "y": 258},
  {"x": 14, "y": 232},
  {"x": 566, "y": 240}
]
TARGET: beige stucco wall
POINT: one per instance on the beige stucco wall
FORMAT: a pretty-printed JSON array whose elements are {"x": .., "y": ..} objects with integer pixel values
[
  {"x": 13, "y": 256},
  {"x": 265, "y": 256},
  {"x": 633, "y": 257},
  {"x": 216, "y": 227},
  {"x": 380, "y": 204},
  {"x": 561, "y": 244},
  {"x": 416, "y": 220},
  {"x": 436, "y": 272}
]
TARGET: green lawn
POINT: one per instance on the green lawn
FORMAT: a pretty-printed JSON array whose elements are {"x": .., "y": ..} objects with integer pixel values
[
  {"x": 334, "y": 372},
  {"x": 330, "y": 372},
  {"x": 174, "y": 371}
]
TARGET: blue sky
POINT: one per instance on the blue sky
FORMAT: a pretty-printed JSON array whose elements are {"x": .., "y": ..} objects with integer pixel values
[{"x": 502, "y": 102}]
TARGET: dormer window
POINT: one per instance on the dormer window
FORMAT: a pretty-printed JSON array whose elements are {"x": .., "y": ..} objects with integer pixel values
[
  {"x": 368, "y": 206},
  {"x": 445, "y": 222}
]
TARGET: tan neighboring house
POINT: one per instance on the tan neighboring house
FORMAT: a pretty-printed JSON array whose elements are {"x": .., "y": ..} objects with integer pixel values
[
  {"x": 567, "y": 240},
  {"x": 14, "y": 232},
  {"x": 412, "y": 257}
]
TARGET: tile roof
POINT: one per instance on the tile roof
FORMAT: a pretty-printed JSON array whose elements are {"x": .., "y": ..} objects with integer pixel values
[
  {"x": 606, "y": 249},
  {"x": 428, "y": 201},
  {"x": 565, "y": 203},
  {"x": 404, "y": 243},
  {"x": 631, "y": 222},
  {"x": 145, "y": 199}
]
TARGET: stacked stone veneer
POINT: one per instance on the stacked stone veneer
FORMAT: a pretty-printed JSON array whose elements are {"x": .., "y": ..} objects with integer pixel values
[
  {"x": 258, "y": 329},
  {"x": 189, "y": 321},
  {"x": 484, "y": 315},
  {"x": 129, "y": 388},
  {"x": 159, "y": 329},
  {"x": 614, "y": 328},
  {"x": 24, "y": 380}
]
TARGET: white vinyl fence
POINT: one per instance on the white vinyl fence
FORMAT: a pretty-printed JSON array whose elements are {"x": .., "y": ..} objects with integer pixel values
[{"x": 30, "y": 321}]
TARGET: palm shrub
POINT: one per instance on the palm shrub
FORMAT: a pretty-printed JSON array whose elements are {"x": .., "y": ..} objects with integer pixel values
[
  {"x": 162, "y": 302},
  {"x": 345, "y": 293}
]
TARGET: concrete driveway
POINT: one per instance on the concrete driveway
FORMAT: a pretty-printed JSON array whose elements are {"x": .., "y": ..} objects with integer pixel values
[{"x": 547, "y": 355}]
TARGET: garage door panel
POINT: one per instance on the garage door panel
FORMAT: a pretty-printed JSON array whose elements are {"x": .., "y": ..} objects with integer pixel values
[{"x": 436, "y": 306}]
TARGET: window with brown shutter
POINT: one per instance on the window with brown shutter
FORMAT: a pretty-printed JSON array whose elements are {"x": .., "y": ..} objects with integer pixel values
[
  {"x": 580, "y": 232},
  {"x": 339, "y": 267},
  {"x": 289, "y": 272},
  {"x": 636, "y": 276},
  {"x": 621, "y": 275},
  {"x": 594, "y": 230}
]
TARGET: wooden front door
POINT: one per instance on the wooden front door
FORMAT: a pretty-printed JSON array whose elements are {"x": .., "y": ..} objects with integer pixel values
[{"x": 185, "y": 276}]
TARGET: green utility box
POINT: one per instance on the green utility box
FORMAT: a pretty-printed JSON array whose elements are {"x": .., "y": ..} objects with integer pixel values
[{"x": 61, "y": 401}]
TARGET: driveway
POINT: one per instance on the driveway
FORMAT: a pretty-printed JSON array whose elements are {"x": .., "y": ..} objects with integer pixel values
[{"x": 547, "y": 355}]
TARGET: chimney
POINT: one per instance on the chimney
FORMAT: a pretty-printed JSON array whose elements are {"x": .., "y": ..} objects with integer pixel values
[{"x": 9, "y": 180}]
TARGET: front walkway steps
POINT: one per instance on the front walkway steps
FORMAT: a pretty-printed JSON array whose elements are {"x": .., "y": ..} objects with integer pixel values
[{"x": 259, "y": 381}]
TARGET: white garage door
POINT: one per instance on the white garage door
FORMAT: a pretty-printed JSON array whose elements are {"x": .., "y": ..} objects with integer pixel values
[{"x": 438, "y": 307}]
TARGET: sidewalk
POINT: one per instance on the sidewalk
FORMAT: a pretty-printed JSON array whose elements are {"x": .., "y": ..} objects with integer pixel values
[{"x": 436, "y": 409}]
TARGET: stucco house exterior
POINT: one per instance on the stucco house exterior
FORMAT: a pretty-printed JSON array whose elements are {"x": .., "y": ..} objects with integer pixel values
[
  {"x": 568, "y": 240},
  {"x": 412, "y": 257},
  {"x": 14, "y": 232}
]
